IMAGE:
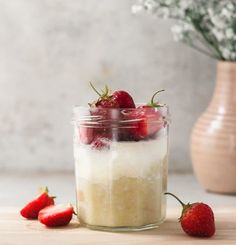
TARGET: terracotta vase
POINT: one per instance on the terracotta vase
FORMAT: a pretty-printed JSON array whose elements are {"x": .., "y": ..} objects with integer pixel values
[{"x": 213, "y": 142}]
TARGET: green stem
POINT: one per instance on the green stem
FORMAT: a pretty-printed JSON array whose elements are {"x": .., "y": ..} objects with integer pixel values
[
  {"x": 43, "y": 189},
  {"x": 106, "y": 91},
  {"x": 157, "y": 92},
  {"x": 95, "y": 89},
  {"x": 201, "y": 50},
  {"x": 205, "y": 37},
  {"x": 209, "y": 47},
  {"x": 212, "y": 44},
  {"x": 168, "y": 193}
]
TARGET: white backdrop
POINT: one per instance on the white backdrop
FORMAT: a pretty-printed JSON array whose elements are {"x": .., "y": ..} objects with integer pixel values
[{"x": 49, "y": 50}]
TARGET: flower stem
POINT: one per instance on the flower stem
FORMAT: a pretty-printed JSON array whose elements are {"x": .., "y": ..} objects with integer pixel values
[{"x": 201, "y": 50}]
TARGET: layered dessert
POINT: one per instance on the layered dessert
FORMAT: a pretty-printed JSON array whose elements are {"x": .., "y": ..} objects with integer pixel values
[{"x": 121, "y": 166}]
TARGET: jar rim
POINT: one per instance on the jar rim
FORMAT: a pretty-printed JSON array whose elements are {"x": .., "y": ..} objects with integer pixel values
[
  {"x": 86, "y": 107},
  {"x": 96, "y": 120}
]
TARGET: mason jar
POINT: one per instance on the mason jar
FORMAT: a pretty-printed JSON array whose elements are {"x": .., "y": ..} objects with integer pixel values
[{"x": 121, "y": 158}]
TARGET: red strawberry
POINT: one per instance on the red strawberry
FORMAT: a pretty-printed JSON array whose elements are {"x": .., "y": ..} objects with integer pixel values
[
  {"x": 100, "y": 143},
  {"x": 86, "y": 134},
  {"x": 144, "y": 121},
  {"x": 119, "y": 99},
  {"x": 105, "y": 100},
  {"x": 31, "y": 210},
  {"x": 107, "y": 103},
  {"x": 56, "y": 215},
  {"x": 102, "y": 116},
  {"x": 148, "y": 121},
  {"x": 197, "y": 219},
  {"x": 123, "y": 99}
]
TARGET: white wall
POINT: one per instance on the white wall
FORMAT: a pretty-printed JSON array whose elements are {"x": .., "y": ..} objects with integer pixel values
[{"x": 49, "y": 50}]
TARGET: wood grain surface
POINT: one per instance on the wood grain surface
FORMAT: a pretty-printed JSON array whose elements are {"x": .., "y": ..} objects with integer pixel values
[{"x": 16, "y": 230}]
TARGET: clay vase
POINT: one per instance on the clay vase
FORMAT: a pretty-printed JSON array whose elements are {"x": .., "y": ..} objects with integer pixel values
[{"x": 213, "y": 141}]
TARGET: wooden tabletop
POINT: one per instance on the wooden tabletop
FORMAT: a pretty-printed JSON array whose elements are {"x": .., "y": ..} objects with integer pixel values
[{"x": 16, "y": 230}]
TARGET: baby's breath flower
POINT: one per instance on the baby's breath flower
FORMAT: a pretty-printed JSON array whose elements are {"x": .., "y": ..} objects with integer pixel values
[
  {"x": 177, "y": 31},
  {"x": 208, "y": 26},
  {"x": 229, "y": 33}
]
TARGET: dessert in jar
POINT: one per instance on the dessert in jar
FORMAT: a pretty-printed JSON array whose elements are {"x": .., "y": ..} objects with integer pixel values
[{"x": 121, "y": 154}]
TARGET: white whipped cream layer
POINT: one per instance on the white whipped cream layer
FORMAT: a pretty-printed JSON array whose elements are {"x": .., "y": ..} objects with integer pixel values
[{"x": 140, "y": 159}]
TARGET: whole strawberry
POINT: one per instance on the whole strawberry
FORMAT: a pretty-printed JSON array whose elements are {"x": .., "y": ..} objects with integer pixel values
[
  {"x": 119, "y": 99},
  {"x": 123, "y": 99},
  {"x": 102, "y": 113},
  {"x": 105, "y": 100},
  {"x": 144, "y": 121},
  {"x": 197, "y": 218},
  {"x": 31, "y": 209}
]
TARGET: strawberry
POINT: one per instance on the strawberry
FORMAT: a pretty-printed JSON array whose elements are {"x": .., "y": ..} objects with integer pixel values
[
  {"x": 197, "y": 218},
  {"x": 123, "y": 99},
  {"x": 105, "y": 100},
  {"x": 146, "y": 124},
  {"x": 86, "y": 134},
  {"x": 56, "y": 215},
  {"x": 107, "y": 103},
  {"x": 100, "y": 143},
  {"x": 119, "y": 99},
  {"x": 31, "y": 210},
  {"x": 144, "y": 121}
]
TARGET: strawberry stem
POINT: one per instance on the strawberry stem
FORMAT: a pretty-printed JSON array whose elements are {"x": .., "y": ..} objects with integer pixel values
[
  {"x": 104, "y": 94},
  {"x": 157, "y": 92},
  {"x": 168, "y": 193},
  {"x": 106, "y": 91},
  {"x": 43, "y": 189},
  {"x": 100, "y": 95}
]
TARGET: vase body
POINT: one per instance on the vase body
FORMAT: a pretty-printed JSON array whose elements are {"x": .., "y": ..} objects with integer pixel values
[{"x": 213, "y": 141}]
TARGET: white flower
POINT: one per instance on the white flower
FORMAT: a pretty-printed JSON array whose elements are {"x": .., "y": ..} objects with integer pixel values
[
  {"x": 225, "y": 52},
  {"x": 150, "y": 5},
  {"x": 229, "y": 33},
  {"x": 230, "y": 6},
  {"x": 218, "y": 34},
  {"x": 136, "y": 8},
  {"x": 184, "y": 4},
  {"x": 165, "y": 12},
  {"x": 208, "y": 26},
  {"x": 178, "y": 32},
  {"x": 225, "y": 12},
  {"x": 218, "y": 22}
]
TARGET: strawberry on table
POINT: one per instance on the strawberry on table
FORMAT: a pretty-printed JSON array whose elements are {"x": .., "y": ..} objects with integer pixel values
[
  {"x": 197, "y": 218},
  {"x": 31, "y": 210},
  {"x": 56, "y": 215}
]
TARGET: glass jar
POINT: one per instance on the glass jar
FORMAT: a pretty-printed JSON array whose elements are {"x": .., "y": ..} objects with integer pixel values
[{"x": 121, "y": 160}]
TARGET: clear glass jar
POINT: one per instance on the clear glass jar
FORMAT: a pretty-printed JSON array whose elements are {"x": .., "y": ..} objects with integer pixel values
[{"x": 121, "y": 160}]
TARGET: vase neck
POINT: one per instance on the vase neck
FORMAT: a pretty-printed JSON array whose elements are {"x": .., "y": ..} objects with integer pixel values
[{"x": 224, "y": 98}]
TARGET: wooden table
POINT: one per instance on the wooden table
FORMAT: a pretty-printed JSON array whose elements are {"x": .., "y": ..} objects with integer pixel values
[{"x": 16, "y": 230}]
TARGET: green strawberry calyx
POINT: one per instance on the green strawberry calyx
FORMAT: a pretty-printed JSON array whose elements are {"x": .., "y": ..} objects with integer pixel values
[
  {"x": 184, "y": 206},
  {"x": 154, "y": 104},
  {"x": 103, "y": 95}
]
